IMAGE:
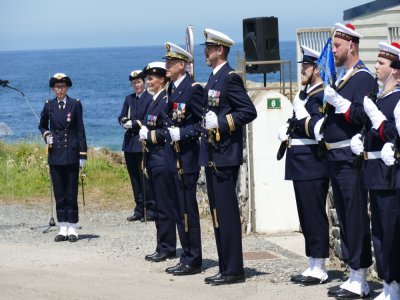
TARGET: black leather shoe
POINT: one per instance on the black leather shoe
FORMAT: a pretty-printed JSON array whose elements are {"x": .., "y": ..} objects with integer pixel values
[
  {"x": 169, "y": 270},
  {"x": 148, "y": 219},
  {"x": 134, "y": 218},
  {"x": 211, "y": 278},
  {"x": 185, "y": 270},
  {"x": 340, "y": 293},
  {"x": 148, "y": 256},
  {"x": 227, "y": 279},
  {"x": 72, "y": 238},
  {"x": 160, "y": 257},
  {"x": 60, "y": 238},
  {"x": 309, "y": 280}
]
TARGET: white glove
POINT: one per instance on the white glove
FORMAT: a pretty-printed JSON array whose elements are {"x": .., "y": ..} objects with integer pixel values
[
  {"x": 317, "y": 128},
  {"x": 396, "y": 113},
  {"x": 299, "y": 107},
  {"x": 387, "y": 154},
  {"x": 175, "y": 133},
  {"x": 127, "y": 124},
  {"x": 211, "y": 120},
  {"x": 282, "y": 136},
  {"x": 82, "y": 163},
  {"x": 333, "y": 98},
  {"x": 49, "y": 139},
  {"x": 373, "y": 113},
  {"x": 356, "y": 144},
  {"x": 143, "y": 133}
]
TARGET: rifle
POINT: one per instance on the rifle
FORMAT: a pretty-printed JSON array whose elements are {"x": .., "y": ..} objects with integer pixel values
[
  {"x": 392, "y": 170},
  {"x": 359, "y": 158},
  {"x": 291, "y": 121}
]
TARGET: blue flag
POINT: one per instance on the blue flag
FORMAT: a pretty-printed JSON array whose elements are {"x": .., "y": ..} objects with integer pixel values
[{"x": 326, "y": 64}]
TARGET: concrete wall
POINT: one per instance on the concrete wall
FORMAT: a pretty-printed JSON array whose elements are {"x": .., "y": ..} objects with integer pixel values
[{"x": 273, "y": 197}]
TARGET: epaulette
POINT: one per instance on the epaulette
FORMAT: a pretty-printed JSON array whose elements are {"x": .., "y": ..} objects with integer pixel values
[{"x": 195, "y": 83}]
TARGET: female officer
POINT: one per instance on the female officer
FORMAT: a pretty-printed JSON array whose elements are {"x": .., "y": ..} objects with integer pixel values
[{"x": 61, "y": 125}]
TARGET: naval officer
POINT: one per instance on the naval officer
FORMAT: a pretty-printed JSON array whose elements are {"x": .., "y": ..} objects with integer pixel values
[
  {"x": 154, "y": 135},
  {"x": 183, "y": 116},
  {"x": 132, "y": 113},
  {"x": 345, "y": 119},
  {"x": 61, "y": 124},
  {"x": 309, "y": 172},
  {"x": 227, "y": 108},
  {"x": 384, "y": 115}
]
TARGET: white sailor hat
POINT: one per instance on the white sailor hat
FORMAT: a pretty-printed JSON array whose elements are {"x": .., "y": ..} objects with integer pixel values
[
  {"x": 389, "y": 51},
  {"x": 310, "y": 56},
  {"x": 216, "y": 38},
  {"x": 60, "y": 77},
  {"x": 347, "y": 32},
  {"x": 176, "y": 52},
  {"x": 155, "y": 68},
  {"x": 136, "y": 74}
]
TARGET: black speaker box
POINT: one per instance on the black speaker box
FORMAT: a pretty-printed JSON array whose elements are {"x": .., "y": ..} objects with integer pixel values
[{"x": 261, "y": 42}]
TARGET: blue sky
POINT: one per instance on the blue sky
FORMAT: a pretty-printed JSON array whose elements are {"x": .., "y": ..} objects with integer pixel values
[{"x": 46, "y": 24}]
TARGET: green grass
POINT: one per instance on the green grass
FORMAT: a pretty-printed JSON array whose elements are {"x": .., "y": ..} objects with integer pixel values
[{"x": 24, "y": 175}]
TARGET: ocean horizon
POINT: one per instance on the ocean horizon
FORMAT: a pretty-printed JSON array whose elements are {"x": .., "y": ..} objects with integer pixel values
[{"x": 100, "y": 80}]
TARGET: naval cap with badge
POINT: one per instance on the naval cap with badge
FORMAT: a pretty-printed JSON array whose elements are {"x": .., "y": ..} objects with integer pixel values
[
  {"x": 310, "y": 56},
  {"x": 347, "y": 32},
  {"x": 155, "y": 68},
  {"x": 136, "y": 74},
  {"x": 216, "y": 38},
  {"x": 60, "y": 78},
  {"x": 390, "y": 52},
  {"x": 176, "y": 52}
]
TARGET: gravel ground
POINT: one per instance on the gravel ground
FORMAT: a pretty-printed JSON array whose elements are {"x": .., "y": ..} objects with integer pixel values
[{"x": 108, "y": 262}]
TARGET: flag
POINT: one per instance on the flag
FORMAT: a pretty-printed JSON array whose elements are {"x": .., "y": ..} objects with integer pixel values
[{"x": 326, "y": 64}]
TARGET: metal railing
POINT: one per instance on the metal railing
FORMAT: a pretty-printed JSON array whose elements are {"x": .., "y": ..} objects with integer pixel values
[{"x": 281, "y": 87}]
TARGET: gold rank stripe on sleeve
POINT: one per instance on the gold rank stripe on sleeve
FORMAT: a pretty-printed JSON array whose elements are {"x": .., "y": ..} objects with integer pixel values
[
  {"x": 139, "y": 123},
  {"x": 195, "y": 83},
  {"x": 231, "y": 123},
  {"x": 82, "y": 153},
  {"x": 232, "y": 72},
  {"x": 306, "y": 126},
  {"x": 153, "y": 137},
  {"x": 46, "y": 133}
]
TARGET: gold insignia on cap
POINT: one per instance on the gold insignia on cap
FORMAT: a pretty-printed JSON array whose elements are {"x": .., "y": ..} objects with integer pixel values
[
  {"x": 134, "y": 74},
  {"x": 59, "y": 76}
]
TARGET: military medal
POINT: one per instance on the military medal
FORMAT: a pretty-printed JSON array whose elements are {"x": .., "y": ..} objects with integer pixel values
[{"x": 69, "y": 117}]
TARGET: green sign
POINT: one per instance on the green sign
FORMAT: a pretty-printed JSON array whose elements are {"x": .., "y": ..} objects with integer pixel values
[{"x": 274, "y": 103}]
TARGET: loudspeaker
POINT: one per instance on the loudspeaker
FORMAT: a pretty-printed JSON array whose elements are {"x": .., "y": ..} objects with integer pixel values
[{"x": 261, "y": 42}]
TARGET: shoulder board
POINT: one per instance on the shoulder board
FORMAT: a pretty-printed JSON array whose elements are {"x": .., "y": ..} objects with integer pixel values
[{"x": 196, "y": 83}]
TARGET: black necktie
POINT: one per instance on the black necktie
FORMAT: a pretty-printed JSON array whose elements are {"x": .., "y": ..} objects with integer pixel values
[
  {"x": 173, "y": 88},
  {"x": 61, "y": 104}
]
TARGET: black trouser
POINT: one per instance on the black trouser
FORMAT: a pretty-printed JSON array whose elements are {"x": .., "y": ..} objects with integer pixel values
[
  {"x": 164, "y": 190},
  {"x": 351, "y": 203},
  {"x": 65, "y": 185},
  {"x": 221, "y": 187},
  {"x": 385, "y": 219},
  {"x": 191, "y": 240},
  {"x": 311, "y": 207},
  {"x": 134, "y": 166}
]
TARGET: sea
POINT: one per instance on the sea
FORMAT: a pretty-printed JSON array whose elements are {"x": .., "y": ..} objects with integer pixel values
[{"x": 100, "y": 81}]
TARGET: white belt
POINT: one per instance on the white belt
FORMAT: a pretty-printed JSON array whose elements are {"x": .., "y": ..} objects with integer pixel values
[
  {"x": 302, "y": 142},
  {"x": 337, "y": 145},
  {"x": 372, "y": 155}
]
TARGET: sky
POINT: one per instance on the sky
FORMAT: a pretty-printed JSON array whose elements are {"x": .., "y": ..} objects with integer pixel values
[{"x": 50, "y": 24}]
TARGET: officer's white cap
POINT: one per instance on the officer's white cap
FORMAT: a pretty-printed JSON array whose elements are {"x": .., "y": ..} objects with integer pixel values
[
  {"x": 176, "y": 52},
  {"x": 310, "y": 56},
  {"x": 214, "y": 37}
]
